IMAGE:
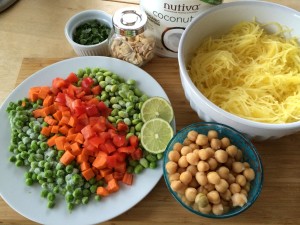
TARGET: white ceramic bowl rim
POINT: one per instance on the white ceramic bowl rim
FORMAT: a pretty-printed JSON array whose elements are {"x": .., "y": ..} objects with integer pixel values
[
  {"x": 194, "y": 89},
  {"x": 81, "y": 14}
]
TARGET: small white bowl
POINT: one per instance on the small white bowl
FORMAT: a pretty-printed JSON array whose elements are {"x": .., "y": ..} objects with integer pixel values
[
  {"x": 88, "y": 50},
  {"x": 216, "y": 21}
]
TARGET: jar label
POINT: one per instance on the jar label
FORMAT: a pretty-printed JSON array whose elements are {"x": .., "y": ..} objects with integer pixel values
[{"x": 168, "y": 19}]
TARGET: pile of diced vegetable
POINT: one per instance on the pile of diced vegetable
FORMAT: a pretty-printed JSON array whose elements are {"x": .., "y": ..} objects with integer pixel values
[{"x": 79, "y": 137}]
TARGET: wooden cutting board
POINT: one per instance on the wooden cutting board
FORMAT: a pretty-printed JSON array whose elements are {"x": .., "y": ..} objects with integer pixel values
[{"x": 279, "y": 202}]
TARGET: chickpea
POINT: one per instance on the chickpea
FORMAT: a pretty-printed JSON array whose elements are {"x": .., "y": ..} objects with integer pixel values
[
  {"x": 206, "y": 209},
  {"x": 201, "y": 140},
  {"x": 225, "y": 142},
  {"x": 192, "y": 135},
  {"x": 213, "y": 197},
  {"x": 190, "y": 194},
  {"x": 218, "y": 209},
  {"x": 221, "y": 156},
  {"x": 201, "y": 200},
  {"x": 249, "y": 174},
  {"x": 194, "y": 183},
  {"x": 239, "y": 155},
  {"x": 202, "y": 189},
  {"x": 185, "y": 177},
  {"x": 237, "y": 167},
  {"x": 177, "y": 147},
  {"x": 223, "y": 172},
  {"x": 232, "y": 150},
  {"x": 185, "y": 150},
  {"x": 209, "y": 187},
  {"x": 182, "y": 162},
  {"x": 215, "y": 144},
  {"x": 201, "y": 178},
  {"x": 222, "y": 186},
  {"x": 246, "y": 164},
  {"x": 243, "y": 191},
  {"x": 171, "y": 167},
  {"x": 202, "y": 166},
  {"x": 241, "y": 180},
  {"x": 226, "y": 195},
  {"x": 181, "y": 170},
  {"x": 185, "y": 200},
  {"x": 213, "y": 164},
  {"x": 212, "y": 134},
  {"x": 203, "y": 154},
  {"x": 231, "y": 178},
  {"x": 238, "y": 199},
  {"x": 187, "y": 142},
  {"x": 234, "y": 188},
  {"x": 213, "y": 177},
  {"x": 176, "y": 185},
  {"x": 192, "y": 158},
  {"x": 192, "y": 169},
  {"x": 174, "y": 176},
  {"x": 174, "y": 156},
  {"x": 247, "y": 186},
  {"x": 194, "y": 146},
  {"x": 229, "y": 162}
]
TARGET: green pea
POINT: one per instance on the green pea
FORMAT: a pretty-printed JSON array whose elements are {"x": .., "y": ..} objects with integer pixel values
[
  {"x": 138, "y": 169},
  {"x": 29, "y": 181},
  {"x": 144, "y": 162},
  {"x": 139, "y": 126},
  {"x": 51, "y": 204},
  {"x": 44, "y": 193},
  {"x": 111, "y": 119},
  {"x": 151, "y": 158},
  {"x": 153, "y": 165}
]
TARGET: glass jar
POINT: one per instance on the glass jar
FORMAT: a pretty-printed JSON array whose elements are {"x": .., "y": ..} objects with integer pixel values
[{"x": 130, "y": 41}]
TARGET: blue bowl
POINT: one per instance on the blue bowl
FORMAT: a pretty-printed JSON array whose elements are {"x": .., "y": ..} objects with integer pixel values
[{"x": 250, "y": 155}]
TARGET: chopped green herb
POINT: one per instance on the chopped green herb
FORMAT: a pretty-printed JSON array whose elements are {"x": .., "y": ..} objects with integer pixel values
[{"x": 91, "y": 32}]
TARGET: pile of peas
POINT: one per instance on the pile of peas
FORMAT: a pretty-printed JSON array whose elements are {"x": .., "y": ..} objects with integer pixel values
[
  {"x": 31, "y": 151},
  {"x": 208, "y": 173}
]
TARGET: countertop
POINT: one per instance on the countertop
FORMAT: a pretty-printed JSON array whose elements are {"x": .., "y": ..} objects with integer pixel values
[{"x": 31, "y": 37}]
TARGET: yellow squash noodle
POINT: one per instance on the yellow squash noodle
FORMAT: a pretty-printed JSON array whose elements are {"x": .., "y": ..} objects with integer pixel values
[{"x": 251, "y": 73}]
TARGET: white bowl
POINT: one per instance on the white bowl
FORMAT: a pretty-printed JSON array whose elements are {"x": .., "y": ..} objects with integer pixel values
[
  {"x": 88, "y": 50},
  {"x": 218, "y": 20}
]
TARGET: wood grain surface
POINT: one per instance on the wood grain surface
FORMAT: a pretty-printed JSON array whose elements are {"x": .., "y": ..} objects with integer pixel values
[{"x": 279, "y": 202}]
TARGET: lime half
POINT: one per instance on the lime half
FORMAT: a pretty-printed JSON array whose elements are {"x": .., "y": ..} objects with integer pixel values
[
  {"x": 155, "y": 135},
  {"x": 157, "y": 107}
]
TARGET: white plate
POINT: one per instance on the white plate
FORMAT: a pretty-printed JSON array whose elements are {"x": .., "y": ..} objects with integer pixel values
[{"x": 26, "y": 200}]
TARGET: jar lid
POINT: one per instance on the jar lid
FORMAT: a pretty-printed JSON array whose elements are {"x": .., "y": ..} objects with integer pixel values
[{"x": 129, "y": 21}]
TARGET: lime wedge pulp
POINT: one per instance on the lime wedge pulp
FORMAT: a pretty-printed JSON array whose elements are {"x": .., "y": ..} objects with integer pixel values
[
  {"x": 157, "y": 107},
  {"x": 155, "y": 135}
]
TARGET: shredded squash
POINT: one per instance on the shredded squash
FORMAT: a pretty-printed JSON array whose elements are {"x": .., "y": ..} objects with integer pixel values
[{"x": 251, "y": 72}]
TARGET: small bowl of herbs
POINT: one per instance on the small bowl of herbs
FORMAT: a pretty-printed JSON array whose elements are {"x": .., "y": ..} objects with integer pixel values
[{"x": 88, "y": 32}]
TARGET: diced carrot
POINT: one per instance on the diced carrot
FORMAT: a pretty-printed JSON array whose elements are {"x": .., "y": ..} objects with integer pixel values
[
  {"x": 71, "y": 131},
  {"x": 33, "y": 94},
  {"x": 99, "y": 177},
  {"x": 54, "y": 129},
  {"x": 82, "y": 157},
  {"x": 118, "y": 175},
  {"x": 112, "y": 186},
  {"x": 102, "y": 191},
  {"x": 79, "y": 138},
  {"x": 46, "y": 131},
  {"x": 127, "y": 178},
  {"x": 66, "y": 113},
  {"x": 64, "y": 120},
  {"x": 57, "y": 115},
  {"x": 67, "y": 158},
  {"x": 64, "y": 130},
  {"x": 100, "y": 161},
  {"x": 108, "y": 177},
  {"x": 50, "y": 120},
  {"x": 60, "y": 142},
  {"x": 51, "y": 140},
  {"x": 48, "y": 100},
  {"x": 88, "y": 174},
  {"x": 84, "y": 166},
  {"x": 105, "y": 171},
  {"x": 43, "y": 92},
  {"x": 76, "y": 150},
  {"x": 67, "y": 146},
  {"x": 49, "y": 110},
  {"x": 71, "y": 137},
  {"x": 72, "y": 121},
  {"x": 38, "y": 113}
]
